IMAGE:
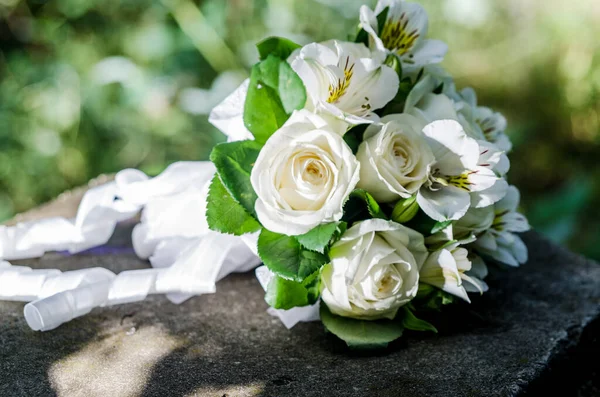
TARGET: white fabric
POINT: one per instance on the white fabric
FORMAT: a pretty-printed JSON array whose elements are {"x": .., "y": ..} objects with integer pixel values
[
  {"x": 187, "y": 258},
  {"x": 65, "y": 296},
  {"x": 95, "y": 222},
  {"x": 100, "y": 210},
  {"x": 20, "y": 283}
]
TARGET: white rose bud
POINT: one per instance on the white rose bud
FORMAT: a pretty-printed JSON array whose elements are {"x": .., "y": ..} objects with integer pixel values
[
  {"x": 394, "y": 157},
  {"x": 303, "y": 176},
  {"x": 374, "y": 270}
]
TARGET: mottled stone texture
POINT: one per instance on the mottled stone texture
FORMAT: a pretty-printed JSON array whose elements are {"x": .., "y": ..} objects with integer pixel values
[{"x": 535, "y": 333}]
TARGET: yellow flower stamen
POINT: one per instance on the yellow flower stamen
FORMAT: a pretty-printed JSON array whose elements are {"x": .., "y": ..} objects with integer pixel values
[
  {"x": 337, "y": 91},
  {"x": 395, "y": 36},
  {"x": 461, "y": 181}
]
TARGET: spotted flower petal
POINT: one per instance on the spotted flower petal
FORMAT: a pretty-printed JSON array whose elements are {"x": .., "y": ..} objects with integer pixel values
[
  {"x": 345, "y": 81},
  {"x": 402, "y": 33}
]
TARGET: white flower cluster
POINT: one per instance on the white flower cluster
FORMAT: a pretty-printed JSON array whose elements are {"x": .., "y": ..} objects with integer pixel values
[{"x": 436, "y": 148}]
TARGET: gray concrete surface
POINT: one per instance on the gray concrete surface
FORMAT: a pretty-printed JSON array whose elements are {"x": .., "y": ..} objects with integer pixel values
[{"x": 530, "y": 335}]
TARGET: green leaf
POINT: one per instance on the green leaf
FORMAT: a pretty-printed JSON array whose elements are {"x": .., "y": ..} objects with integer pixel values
[
  {"x": 382, "y": 18},
  {"x": 439, "y": 226},
  {"x": 275, "y": 91},
  {"x": 234, "y": 162},
  {"x": 396, "y": 105},
  {"x": 284, "y": 256},
  {"x": 226, "y": 215},
  {"x": 277, "y": 46},
  {"x": 372, "y": 205},
  {"x": 342, "y": 227},
  {"x": 424, "y": 291},
  {"x": 263, "y": 110},
  {"x": 432, "y": 298},
  {"x": 286, "y": 294},
  {"x": 363, "y": 36},
  {"x": 361, "y": 334},
  {"x": 291, "y": 88},
  {"x": 313, "y": 285},
  {"x": 318, "y": 238},
  {"x": 354, "y": 137},
  {"x": 447, "y": 299},
  {"x": 410, "y": 321},
  {"x": 360, "y": 206},
  {"x": 422, "y": 223},
  {"x": 441, "y": 245}
]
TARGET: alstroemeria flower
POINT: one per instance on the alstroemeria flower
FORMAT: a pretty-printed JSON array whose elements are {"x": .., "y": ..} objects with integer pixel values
[
  {"x": 475, "y": 222},
  {"x": 479, "y": 122},
  {"x": 491, "y": 158},
  {"x": 454, "y": 174},
  {"x": 424, "y": 104},
  {"x": 430, "y": 78},
  {"x": 345, "y": 81},
  {"x": 492, "y": 125},
  {"x": 479, "y": 269},
  {"x": 447, "y": 269},
  {"x": 483, "y": 122},
  {"x": 430, "y": 107},
  {"x": 427, "y": 106},
  {"x": 499, "y": 241},
  {"x": 403, "y": 33}
]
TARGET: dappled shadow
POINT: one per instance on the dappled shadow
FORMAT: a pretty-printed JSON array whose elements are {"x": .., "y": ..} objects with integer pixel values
[
  {"x": 246, "y": 352},
  {"x": 499, "y": 343},
  {"x": 226, "y": 343},
  {"x": 30, "y": 362},
  {"x": 26, "y": 357}
]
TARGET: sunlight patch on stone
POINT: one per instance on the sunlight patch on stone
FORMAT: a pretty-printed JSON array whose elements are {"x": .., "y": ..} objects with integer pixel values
[
  {"x": 251, "y": 390},
  {"x": 119, "y": 364}
]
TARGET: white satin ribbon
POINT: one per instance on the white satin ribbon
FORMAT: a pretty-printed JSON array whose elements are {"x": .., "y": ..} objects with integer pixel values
[
  {"x": 20, "y": 283},
  {"x": 95, "y": 222},
  {"x": 65, "y": 296},
  {"x": 187, "y": 258}
]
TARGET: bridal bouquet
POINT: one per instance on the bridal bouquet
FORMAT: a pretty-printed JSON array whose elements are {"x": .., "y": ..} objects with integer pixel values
[
  {"x": 368, "y": 185},
  {"x": 372, "y": 187}
]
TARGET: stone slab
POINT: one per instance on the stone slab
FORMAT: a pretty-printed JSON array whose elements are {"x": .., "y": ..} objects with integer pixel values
[{"x": 530, "y": 335}]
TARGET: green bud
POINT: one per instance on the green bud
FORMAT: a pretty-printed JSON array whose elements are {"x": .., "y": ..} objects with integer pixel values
[
  {"x": 405, "y": 210},
  {"x": 393, "y": 62}
]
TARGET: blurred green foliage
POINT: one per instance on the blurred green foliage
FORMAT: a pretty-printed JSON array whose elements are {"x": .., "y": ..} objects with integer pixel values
[{"x": 92, "y": 87}]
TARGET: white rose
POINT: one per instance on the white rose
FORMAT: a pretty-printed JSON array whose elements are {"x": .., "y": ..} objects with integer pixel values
[
  {"x": 303, "y": 176},
  {"x": 374, "y": 270},
  {"x": 394, "y": 157}
]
